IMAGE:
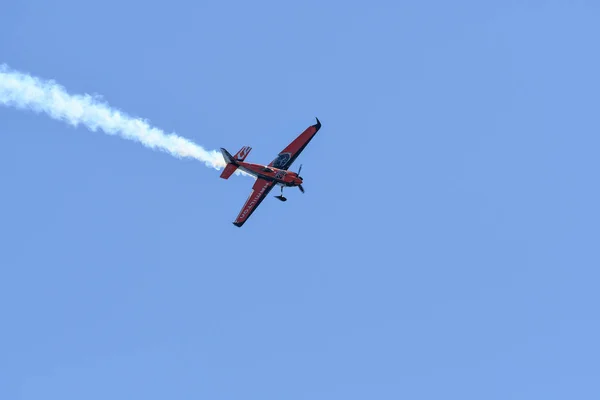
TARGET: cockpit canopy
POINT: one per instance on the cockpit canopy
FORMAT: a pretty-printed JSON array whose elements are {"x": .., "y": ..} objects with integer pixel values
[{"x": 281, "y": 160}]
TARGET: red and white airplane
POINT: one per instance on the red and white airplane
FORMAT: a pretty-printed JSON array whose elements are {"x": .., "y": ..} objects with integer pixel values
[{"x": 268, "y": 176}]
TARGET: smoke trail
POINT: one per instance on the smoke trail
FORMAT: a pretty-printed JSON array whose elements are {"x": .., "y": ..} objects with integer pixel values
[{"x": 27, "y": 92}]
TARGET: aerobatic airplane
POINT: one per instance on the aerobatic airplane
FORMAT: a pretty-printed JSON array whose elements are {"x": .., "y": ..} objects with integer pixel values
[{"x": 268, "y": 176}]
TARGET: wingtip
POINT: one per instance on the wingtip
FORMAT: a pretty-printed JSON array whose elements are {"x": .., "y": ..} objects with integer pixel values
[
  {"x": 238, "y": 224},
  {"x": 318, "y": 125}
]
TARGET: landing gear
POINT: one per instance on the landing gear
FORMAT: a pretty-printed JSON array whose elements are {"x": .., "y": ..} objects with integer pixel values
[{"x": 280, "y": 197}]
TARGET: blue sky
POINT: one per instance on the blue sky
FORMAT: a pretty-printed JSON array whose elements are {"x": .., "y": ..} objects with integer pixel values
[{"x": 446, "y": 245}]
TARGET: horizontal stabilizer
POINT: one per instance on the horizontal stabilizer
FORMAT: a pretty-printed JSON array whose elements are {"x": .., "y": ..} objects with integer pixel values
[
  {"x": 228, "y": 171},
  {"x": 227, "y": 156}
]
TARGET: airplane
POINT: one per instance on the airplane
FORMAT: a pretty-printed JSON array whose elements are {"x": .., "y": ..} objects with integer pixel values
[{"x": 268, "y": 176}]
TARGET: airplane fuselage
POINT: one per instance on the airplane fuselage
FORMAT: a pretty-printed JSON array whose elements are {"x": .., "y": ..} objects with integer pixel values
[{"x": 279, "y": 176}]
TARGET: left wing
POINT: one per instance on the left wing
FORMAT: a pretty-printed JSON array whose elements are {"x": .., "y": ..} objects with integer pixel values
[
  {"x": 288, "y": 155},
  {"x": 260, "y": 190}
]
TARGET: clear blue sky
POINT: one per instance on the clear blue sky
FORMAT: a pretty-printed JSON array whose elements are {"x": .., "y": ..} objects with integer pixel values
[{"x": 447, "y": 245}]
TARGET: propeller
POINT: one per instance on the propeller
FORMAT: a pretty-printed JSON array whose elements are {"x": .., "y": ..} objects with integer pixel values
[{"x": 300, "y": 186}]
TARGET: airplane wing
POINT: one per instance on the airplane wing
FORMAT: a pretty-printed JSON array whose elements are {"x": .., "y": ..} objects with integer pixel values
[
  {"x": 260, "y": 190},
  {"x": 288, "y": 155}
]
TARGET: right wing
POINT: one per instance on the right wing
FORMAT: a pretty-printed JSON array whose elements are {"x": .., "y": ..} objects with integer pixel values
[
  {"x": 288, "y": 155},
  {"x": 260, "y": 190}
]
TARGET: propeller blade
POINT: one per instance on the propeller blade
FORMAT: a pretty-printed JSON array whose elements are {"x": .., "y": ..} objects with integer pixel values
[
  {"x": 301, "y": 188},
  {"x": 299, "y": 169}
]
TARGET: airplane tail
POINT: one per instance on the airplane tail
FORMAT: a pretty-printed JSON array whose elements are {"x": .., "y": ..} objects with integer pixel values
[{"x": 232, "y": 161}]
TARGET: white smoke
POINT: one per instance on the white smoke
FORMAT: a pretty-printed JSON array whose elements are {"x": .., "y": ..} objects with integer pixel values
[{"x": 23, "y": 91}]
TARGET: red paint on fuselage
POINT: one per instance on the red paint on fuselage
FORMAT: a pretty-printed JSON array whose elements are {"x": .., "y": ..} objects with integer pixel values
[{"x": 281, "y": 176}]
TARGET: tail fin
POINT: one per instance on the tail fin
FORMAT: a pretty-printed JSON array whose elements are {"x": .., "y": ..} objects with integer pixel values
[
  {"x": 242, "y": 154},
  {"x": 232, "y": 161}
]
